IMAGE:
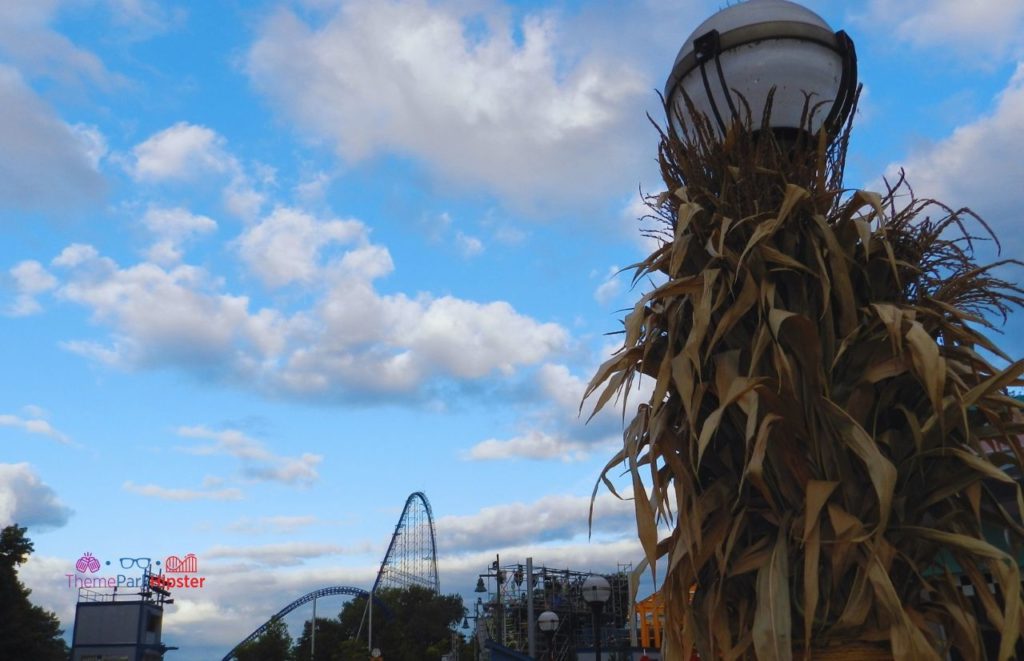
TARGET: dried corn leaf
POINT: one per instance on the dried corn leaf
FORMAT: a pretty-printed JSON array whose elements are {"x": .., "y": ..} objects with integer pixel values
[{"x": 823, "y": 398}]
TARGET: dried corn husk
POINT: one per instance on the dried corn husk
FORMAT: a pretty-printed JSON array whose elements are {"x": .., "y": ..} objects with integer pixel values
[{"x": 825, "y": 405}]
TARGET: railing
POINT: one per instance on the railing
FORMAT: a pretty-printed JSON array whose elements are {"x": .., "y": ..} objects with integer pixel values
[{"x": 88, "y": 595}]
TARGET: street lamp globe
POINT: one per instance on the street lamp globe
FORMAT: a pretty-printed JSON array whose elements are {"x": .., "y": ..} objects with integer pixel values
[
  {"x": 596, "y": 590},
  {"x": 547, "y": 622},
  {"x": 746, "y": 50}
]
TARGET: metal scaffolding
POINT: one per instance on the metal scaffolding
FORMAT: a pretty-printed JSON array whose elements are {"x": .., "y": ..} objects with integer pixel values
[{"x": 503, "y": 613}]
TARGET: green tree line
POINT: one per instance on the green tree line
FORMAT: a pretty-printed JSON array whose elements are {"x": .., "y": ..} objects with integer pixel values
[{"x": 410, "y": 624}]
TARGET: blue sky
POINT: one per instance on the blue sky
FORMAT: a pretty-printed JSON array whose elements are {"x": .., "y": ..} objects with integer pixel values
[{"x": 268, "y": 267}]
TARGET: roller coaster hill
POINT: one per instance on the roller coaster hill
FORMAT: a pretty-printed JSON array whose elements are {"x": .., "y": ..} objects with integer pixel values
[{"x": 410, "y": 561}]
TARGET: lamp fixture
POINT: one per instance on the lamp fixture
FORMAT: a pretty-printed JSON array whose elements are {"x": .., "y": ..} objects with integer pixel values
[{"x": 731, "y": 63}]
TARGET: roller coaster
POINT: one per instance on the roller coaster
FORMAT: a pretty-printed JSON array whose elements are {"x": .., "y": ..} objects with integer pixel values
[{"x": 411, "y": 560}]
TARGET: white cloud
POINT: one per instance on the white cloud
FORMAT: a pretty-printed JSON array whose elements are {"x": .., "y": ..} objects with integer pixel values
[
  {"x": 394, "y": 344},
  {"x": 313, "y": 188},
  {"x": 181, "y": 495},
  {"x": 28, "y": 41},
  {"x": 534, "y": 444},
  {"x": 551, "y": 518},
  {"x": 469, "y": 246},
  {"x": 458, "y": 89},
  {"x": 554, "y": 427},
  {"x": 92, "y": 142},
  {"x": 74, "y": 255},
  {"x": 163, "y": 315},
  {"x": 285, "y": 247},
  {"x": 30, "y": 280},
  {"x": 144, "y": 18},
  {"x": 610, "y": 288},
  {"x": 509, "y": 236},
  {"x": 164, "y": 252},
  {"x": 977, "y": 31},
  {"x": 228, "y": 441},
  {"x": 34, "y": 411},
  {"x": 187, "y": 152},
  {"x": 45, "y": 165},
  {"x": 273, "y": 524},
  {"x": 242, "y": 200},
  {"x": 40, "y": 575},
  {"x": 173, "y": 227},
  {"x": 182, "y": 152},
  {"x": 436, "y": 225},
  {"x": 472, "y": 339},
  {"x": 259, "y": 462},
  {"x": 288, "y": 470},
  {"x": 27, "y": 501},
  {"x": 176, "y": 223},
  {"x": 353, "y": 342},
  {"x": 33, "y": 425},
  {"x": 364, "y": 263},
  {"x": 979, "y": 166},
  {"x": 278, "y": 555},
  {"x": 607, "y": 291}
]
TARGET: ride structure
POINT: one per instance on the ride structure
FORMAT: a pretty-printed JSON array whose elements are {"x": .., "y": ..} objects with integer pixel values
[
  {"x": 504, "y": 607},
  {"x": 411, "y": 560}
]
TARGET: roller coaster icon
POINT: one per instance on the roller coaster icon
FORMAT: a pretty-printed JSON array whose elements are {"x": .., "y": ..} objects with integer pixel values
[
  {"x": 187, "y": 565},
  {"x": 411, "y": 560}
]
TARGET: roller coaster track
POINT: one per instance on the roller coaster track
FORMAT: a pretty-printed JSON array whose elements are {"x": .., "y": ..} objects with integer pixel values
[
  {"x": 305, "y": 599},
  {"x": 411, "y": 560}
]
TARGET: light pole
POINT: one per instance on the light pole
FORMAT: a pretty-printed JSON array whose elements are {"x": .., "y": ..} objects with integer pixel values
[
  {"x": 547, "y": 622},
  {"x": 475, "y": 631},
  {"x": 499, "y": 576},
  {"x": 596, "y": 592},
  {"x": 477, "y": 651},
  {"x": 531, "y": 641}
]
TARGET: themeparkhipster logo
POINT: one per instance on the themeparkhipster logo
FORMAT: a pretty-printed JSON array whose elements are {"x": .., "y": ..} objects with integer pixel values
[{"x": 184, "y": 569}]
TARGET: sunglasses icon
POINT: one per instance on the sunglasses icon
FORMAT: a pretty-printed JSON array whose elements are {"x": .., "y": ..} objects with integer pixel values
[{"x": 141, "y": 563}]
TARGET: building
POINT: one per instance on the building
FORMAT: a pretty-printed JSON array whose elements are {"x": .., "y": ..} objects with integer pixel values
[{"x": 125, "y": 626}]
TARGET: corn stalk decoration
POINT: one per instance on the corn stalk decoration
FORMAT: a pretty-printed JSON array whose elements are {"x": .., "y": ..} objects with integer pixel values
[{"x": 827, "y": 444}]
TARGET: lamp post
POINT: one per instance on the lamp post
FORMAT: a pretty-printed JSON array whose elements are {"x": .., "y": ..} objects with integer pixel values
[
  {"x": 743, "y": 52},
  {"x": 596, "y": 592},
  {"x": 547, "y": 622},
  {"x": 499, "y": 576},
  {"x": 531, "y": 643},
  {"x": 475, "y": 633}
]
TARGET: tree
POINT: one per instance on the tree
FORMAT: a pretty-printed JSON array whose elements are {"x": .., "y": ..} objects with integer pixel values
[
  {"x": 420, "y": 625},
  {"x": 274, "y": 644},
  {"x": 409, "y": 624},
  {"x": 330, "y": 635},
  {"x": 26, "y": 631}
]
